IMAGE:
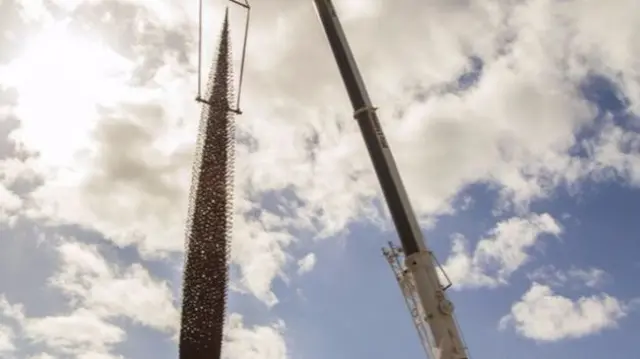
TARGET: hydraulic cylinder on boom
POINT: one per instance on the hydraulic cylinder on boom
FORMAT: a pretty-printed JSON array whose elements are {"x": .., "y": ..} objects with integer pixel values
[{"x": 420, "y": 261}]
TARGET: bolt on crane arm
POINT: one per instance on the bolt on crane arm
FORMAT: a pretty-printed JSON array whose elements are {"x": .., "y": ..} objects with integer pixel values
[{"x": 419, "y": 260}]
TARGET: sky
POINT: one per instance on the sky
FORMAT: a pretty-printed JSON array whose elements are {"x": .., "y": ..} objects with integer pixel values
[{"x": 515, "y": 125}]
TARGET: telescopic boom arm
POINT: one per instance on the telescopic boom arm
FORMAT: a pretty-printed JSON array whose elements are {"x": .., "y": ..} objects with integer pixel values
[{"x": 419, "y": 260}]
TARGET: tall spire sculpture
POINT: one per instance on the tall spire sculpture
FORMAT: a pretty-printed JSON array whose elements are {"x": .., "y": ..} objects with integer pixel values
[{"x": 210, "y": 220}]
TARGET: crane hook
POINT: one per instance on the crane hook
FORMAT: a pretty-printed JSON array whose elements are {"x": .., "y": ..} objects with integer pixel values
[{"x": 199, "y": 98}]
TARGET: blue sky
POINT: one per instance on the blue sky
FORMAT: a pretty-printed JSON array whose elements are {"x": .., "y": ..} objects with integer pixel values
[{"x": 514, "y": 125}]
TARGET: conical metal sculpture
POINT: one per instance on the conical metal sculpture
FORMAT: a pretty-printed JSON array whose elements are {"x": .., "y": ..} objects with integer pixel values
[{"x": 209, "y": 229}]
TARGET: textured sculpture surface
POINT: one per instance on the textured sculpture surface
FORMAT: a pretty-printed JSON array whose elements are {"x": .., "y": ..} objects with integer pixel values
[{"x": 209, "y": 227}]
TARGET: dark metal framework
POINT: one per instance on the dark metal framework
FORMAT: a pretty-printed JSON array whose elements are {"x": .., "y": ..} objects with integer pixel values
[{"x": 209, "y": 228}]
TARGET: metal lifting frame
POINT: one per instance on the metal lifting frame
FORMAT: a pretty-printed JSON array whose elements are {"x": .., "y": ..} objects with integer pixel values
[
  {"x": 199, "y": 98},
  {"x": 448, "y": 343}
]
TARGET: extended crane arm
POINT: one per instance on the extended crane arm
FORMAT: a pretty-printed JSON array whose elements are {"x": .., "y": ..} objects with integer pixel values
[{"x": 419, "y": 260}]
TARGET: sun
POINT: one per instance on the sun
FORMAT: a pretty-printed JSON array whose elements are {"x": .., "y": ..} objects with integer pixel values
[{"x": 61, "y": 78}]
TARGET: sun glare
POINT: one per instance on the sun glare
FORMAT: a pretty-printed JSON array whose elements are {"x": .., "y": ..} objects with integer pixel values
[{"x": 61, "y": 78}]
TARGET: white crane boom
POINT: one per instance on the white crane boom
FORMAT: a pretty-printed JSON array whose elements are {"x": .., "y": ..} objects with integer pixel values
[{"x": 420, "y": 262}]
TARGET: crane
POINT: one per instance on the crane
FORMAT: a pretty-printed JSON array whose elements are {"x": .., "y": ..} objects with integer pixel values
[
  {"x": 420, "y": 263},
  {"x": 425, "y": 296}
]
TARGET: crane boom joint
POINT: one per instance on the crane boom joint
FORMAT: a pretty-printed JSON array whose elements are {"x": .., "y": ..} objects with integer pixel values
[{"x": 365, "y": 109}]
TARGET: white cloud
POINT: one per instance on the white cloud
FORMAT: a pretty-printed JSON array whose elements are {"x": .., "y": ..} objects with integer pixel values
[
  {"x": 98, "y": 355},
  {"x": 109, "y": 292},
  {"x": 258, "y": 248},
  {"x": 13, "y": 312},
  {"x": 33, "y": 10},
  {"x": 42, "y": 356},
  {"x": 550, "y": 275},
  {"x": 6, "y": 339},
  {"x": 10, "y": 203},
  {"x": 542, "y": 315},
  {"x": 496, "y": 257},
  {"x": 79, "y": 332},
  {"x": 351, "y": 10},
  {"x": 615, "y": 151},
  {"x": 12, "y": 169},
  {"x": 257, "y": 342},
  {"x": 592, "y": 277},
  {"x": 99, "y": 292},
  {"x": 307, "y": 263}
]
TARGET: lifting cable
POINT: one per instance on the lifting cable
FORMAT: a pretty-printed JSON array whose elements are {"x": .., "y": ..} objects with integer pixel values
[{"x": 243, "y": 56}]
